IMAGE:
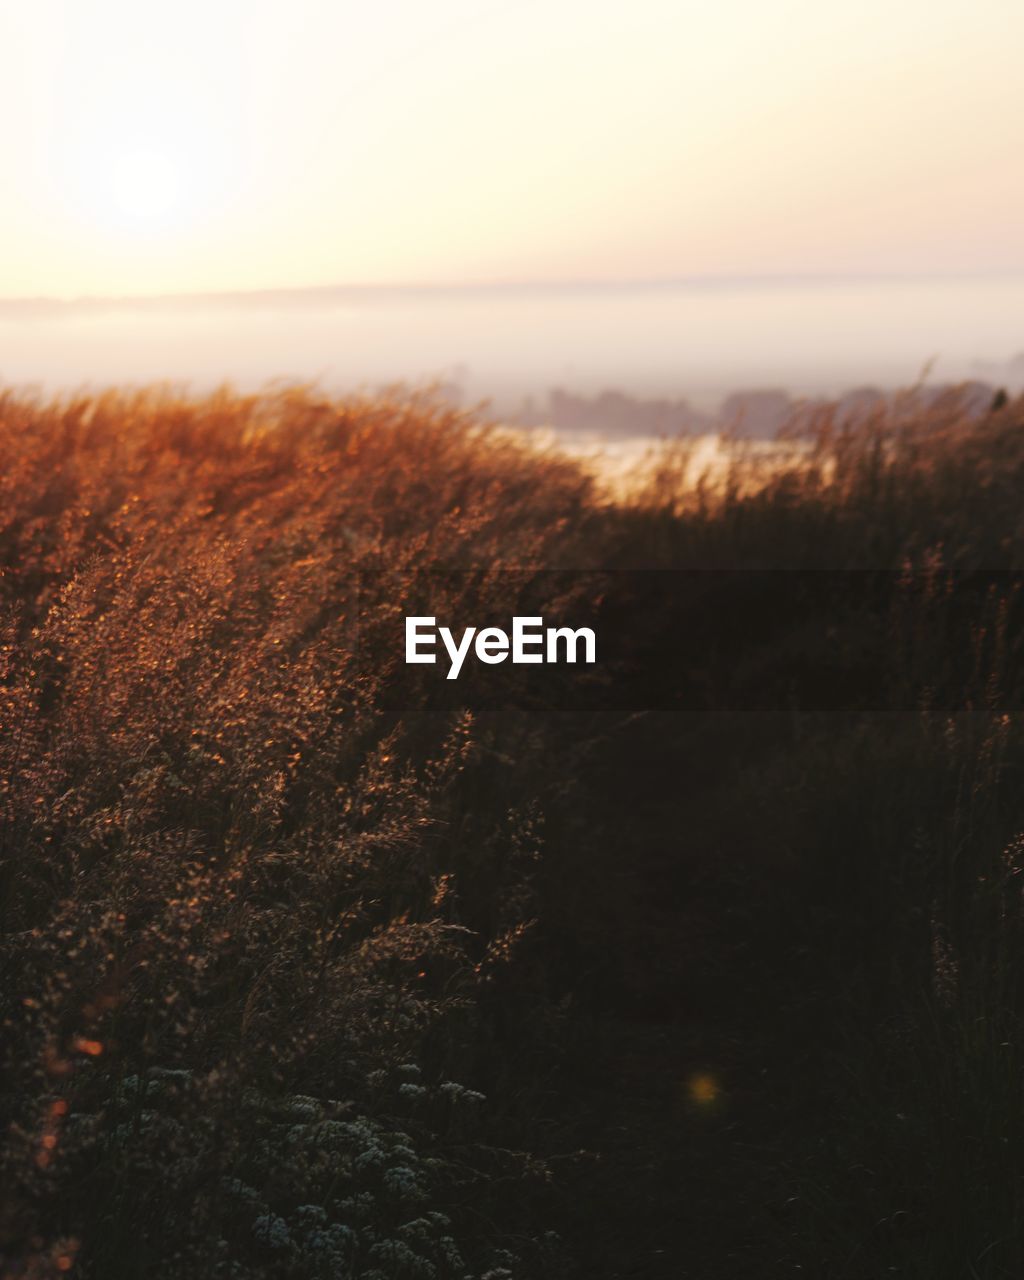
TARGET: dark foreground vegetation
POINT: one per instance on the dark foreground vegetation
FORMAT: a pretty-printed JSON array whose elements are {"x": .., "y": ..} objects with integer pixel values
[{"x": 310, "y": 970}]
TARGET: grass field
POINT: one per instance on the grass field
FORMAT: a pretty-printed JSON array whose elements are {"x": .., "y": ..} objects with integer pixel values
[{"x": 314, "y": 970}]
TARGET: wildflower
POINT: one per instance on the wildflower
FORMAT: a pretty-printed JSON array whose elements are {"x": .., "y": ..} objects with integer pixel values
[{"x": 272, "y": 1231}]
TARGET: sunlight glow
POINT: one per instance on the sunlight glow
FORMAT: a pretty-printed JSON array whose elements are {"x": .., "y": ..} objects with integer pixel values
[
  {"x": 252, "y": 144},
  {"x": 144, "y": 184}
]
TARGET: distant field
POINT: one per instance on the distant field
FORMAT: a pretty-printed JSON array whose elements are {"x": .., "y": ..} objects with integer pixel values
[
  {"x": 701, "y": 339},
  {"x": 314, "y": 969}
]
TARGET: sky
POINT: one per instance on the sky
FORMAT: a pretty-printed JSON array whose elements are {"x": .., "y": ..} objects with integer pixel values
[{"x": 246, "y": 144}]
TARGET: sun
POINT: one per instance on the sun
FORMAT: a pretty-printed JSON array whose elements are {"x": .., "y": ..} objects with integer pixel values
[{"x": 145, "y": 186}]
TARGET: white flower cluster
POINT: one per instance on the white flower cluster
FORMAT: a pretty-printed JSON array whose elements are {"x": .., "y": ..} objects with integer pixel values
[
  {"x": 459, "y": 1093},
  {"x": 313, "y": 1192},
  {"x": 379, "y": 1225}
]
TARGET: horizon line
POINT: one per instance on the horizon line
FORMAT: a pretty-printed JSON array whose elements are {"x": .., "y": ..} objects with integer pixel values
[{"x": 285, "y": 293}]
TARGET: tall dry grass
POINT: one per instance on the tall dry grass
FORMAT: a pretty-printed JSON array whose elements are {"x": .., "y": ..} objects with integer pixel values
[{"x": 297, "y": 957}]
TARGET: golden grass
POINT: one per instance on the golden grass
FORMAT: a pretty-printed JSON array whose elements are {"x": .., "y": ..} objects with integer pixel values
[{"x": 252, "y": 886}]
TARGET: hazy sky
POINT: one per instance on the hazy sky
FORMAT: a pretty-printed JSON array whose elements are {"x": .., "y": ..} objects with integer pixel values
[{"x": 215, "y": 144}]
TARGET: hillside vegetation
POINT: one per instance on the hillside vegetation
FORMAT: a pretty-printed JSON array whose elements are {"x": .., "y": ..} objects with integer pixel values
[{"x": 310, "y": 969}]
